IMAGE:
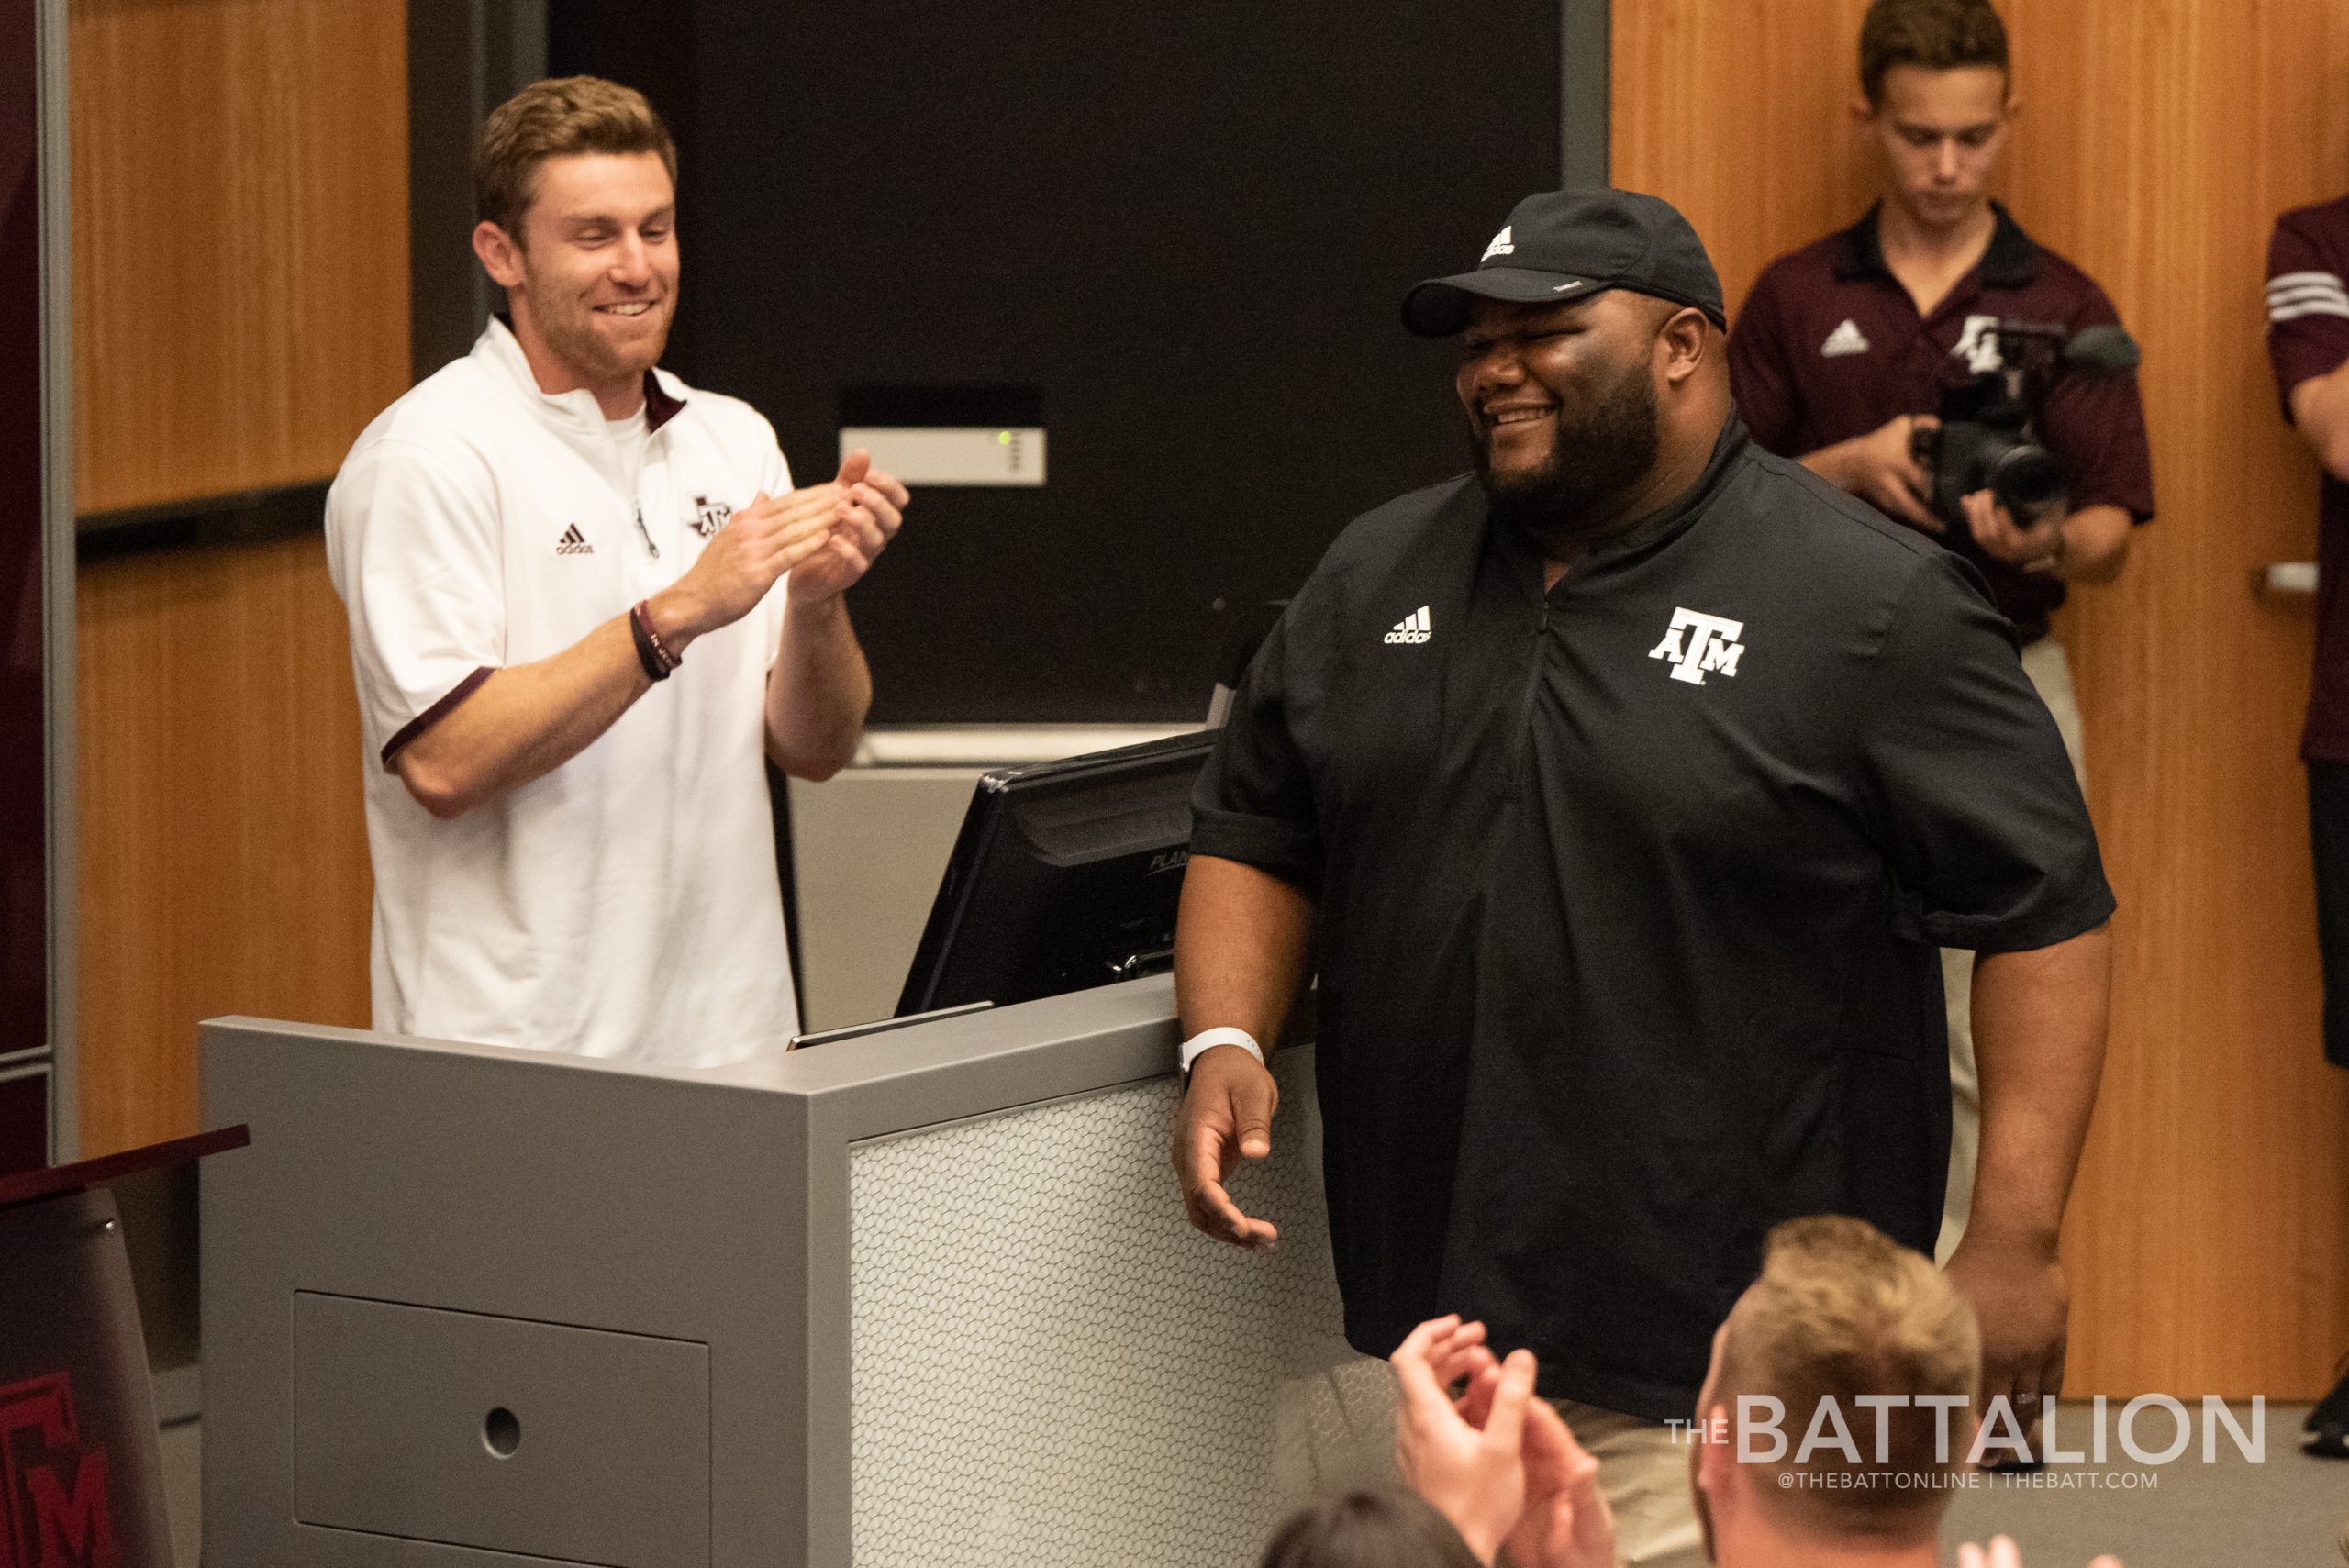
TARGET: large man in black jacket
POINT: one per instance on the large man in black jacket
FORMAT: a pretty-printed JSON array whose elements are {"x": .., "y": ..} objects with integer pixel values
[{"x": 1620, "y": 795}]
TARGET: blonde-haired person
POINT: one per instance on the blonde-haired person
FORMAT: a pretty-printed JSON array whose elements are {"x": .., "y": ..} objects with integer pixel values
[
  {"x": 1841, "y": 1315},
  {"x": 528, "y": 544}
]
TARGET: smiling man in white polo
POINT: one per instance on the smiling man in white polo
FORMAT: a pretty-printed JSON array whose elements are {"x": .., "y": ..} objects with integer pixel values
[
  {"x": 1623, "y": 884},
  {"x": 586, "y": 603}
]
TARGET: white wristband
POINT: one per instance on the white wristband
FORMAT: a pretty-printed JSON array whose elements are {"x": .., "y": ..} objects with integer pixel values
[{"x": 1207, "y": 1039}]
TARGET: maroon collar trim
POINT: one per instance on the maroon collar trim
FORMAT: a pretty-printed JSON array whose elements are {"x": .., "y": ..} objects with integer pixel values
[{"x": 659, "y": 406}]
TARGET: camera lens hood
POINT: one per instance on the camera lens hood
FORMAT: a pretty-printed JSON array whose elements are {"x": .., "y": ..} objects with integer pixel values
[{"x": 2025, "y": 479}]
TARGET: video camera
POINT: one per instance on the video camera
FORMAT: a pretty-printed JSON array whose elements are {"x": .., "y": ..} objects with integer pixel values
[{"x": 1986, "y": 440}]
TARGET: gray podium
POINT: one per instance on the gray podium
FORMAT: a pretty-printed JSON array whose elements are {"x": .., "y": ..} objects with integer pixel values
[{"x": 925, "y": 1298}]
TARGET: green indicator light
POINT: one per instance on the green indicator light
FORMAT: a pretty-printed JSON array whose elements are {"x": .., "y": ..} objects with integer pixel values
[{"x": 1003, "y": 438}]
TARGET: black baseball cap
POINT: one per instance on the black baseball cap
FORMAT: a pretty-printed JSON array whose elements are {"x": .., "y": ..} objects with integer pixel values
[{"x": 1561, "y": 245}]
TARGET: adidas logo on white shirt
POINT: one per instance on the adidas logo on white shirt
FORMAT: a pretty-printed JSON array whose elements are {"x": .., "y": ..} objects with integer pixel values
[
  {"x": 1845, "y": 340},
  {"x": 1412, "y": 628},
  {"x": 573, "y": 542}
]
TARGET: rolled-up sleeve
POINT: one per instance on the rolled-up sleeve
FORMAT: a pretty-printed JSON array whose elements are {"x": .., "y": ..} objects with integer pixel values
[
  {"x": 1988, "y": 838},
  {"x": 1255, "y": 800}
]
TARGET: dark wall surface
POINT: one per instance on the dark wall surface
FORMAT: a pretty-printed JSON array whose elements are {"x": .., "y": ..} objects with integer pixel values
[{"x": 1188, "y": 228}]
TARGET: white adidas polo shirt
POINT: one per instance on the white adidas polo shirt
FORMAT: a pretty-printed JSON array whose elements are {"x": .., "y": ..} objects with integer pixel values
[{"x": 627, "y": 904}]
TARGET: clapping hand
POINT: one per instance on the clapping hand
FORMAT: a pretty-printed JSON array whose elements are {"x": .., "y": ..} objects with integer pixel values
[
  {"x": 1499, "y": 1462},
  {"x": 2004, "y": 1553},
  {"x": 866, "y": 506}
]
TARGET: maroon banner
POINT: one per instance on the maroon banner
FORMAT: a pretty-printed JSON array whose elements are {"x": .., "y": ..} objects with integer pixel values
[
  {"x": 24, "y": 898},
  {"x": 81, "y": 1481}
]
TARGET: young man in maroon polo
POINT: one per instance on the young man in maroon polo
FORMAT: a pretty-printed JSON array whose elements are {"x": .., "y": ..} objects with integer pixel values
[
  {"x": 1840, "y": 352},
  {"x": 2308, "y": 340}
]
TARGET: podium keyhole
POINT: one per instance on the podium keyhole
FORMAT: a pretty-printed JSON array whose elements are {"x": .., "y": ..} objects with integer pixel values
[{"x": 501, "y": 1433}]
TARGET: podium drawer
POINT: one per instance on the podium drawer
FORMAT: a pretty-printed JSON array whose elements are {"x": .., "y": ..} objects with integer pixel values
[{"x": 579, "y": 1445}]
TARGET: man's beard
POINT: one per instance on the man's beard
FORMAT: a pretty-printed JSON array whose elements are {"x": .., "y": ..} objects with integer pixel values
[
  {"x": 567, "y": 326},
  {"x": 1595, "y": 456}
]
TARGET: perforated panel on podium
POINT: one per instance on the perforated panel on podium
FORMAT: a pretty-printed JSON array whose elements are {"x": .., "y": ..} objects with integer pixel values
[{"x": 924, "y": 1297}]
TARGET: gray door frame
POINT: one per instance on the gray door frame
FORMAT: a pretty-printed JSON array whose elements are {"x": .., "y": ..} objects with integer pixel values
[
  {"x": 1585, "y": 68},
  {"x": 57, "y": 577},
  {"x": 464, "y": 58}
]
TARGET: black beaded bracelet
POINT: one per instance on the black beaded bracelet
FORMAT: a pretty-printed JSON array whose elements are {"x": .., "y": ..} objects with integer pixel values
[{"x": 657, "y": 660}]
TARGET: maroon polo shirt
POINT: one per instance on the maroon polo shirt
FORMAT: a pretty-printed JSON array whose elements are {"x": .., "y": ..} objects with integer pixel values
[
  {"x": 2308, "y": 335},
  {"x": 1829, "y": 346}
]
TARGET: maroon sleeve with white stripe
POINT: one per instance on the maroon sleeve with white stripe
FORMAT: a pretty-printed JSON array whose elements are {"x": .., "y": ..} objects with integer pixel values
[{"x": 2308, "y": 305}]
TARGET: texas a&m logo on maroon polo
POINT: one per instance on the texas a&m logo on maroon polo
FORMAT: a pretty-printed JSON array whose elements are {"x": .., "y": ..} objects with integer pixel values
[{"x": 56, "y": 1511}]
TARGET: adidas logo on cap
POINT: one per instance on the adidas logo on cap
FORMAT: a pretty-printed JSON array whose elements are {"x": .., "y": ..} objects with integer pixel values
[
  {"x": 1502, "y": 245},
  {"x": 1412, "y": 628},
  {"x": 573, "y": 542}
]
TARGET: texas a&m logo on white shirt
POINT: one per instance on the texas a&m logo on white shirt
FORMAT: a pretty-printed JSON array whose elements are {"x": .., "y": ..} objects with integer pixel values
[{"x": 1697, "y": 642}]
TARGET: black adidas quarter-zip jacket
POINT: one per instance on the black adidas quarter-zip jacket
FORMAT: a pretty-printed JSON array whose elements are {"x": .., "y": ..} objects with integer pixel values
[{"x": 1629, "y": 895}]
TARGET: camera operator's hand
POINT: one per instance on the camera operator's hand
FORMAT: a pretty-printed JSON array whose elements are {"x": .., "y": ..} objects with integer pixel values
[
  {"x": 1881, "y": 468},
  {"x": 2035, "y": 547}
]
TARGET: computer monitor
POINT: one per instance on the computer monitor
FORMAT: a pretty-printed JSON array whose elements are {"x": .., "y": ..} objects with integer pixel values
[{"x": 1065, "y": 876}]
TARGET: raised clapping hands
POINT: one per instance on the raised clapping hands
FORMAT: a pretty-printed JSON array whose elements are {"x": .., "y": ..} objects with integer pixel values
[
  {"x": 826, "y": 536},
  {"x": 868, "y": 508},
  {"x": 1499, "y": 1462},
  {"x": 2003, "y": 1554}
]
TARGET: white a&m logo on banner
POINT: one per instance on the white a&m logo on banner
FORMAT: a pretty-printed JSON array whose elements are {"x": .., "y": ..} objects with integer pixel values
[{"x": 1699, "y": 642}]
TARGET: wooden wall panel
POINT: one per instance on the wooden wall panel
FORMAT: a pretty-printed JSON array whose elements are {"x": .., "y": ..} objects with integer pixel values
[
  {"x": 224, "y": 854},
  {"x": 2209, "y": 1238},
  {"x": 239, "y": 171},
  {"x": 241, "y": 311}
]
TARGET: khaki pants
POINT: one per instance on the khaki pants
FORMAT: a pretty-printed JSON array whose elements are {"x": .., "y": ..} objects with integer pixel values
[
  {"x": 2051, "y": 674},
  {"x": 1643, "y": 1470},
  {"x": 1338, "y": 1434}
]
